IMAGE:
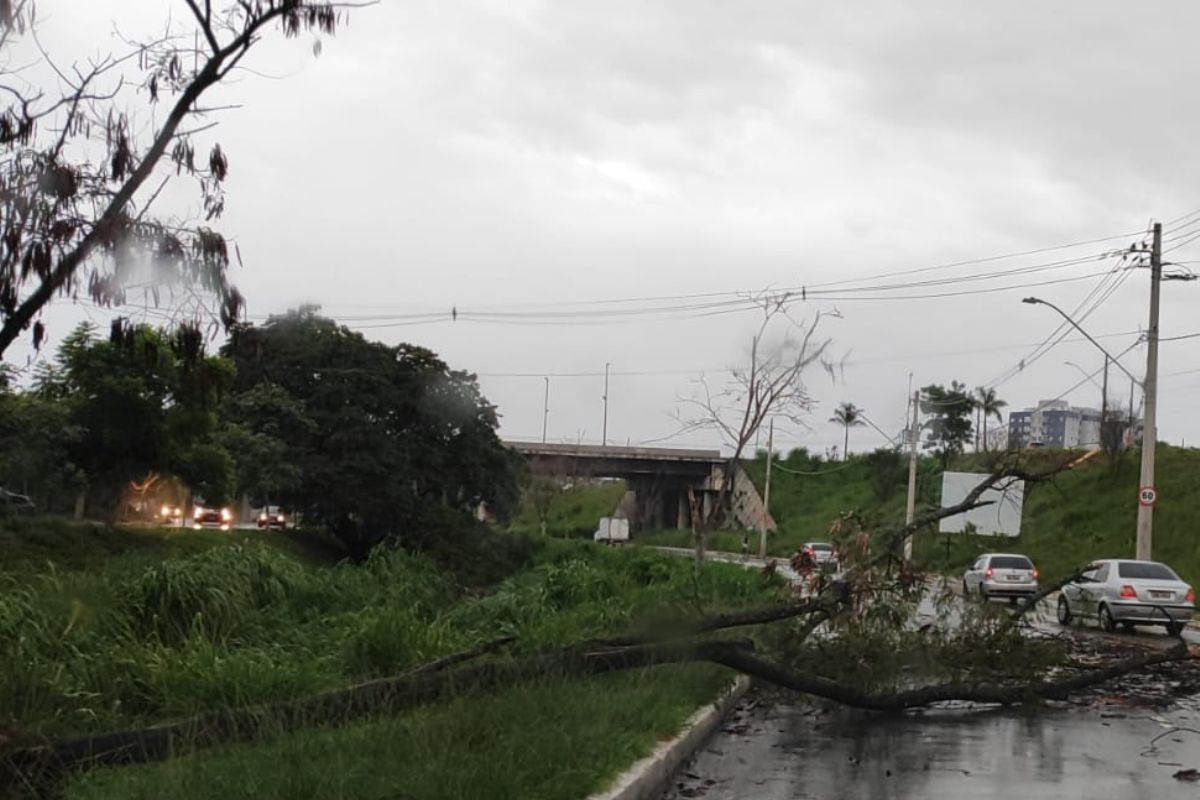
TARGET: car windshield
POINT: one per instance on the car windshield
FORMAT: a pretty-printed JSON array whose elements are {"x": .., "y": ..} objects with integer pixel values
[
  {"x": 822, "y": 547},
  {"x": 1146, "y": 570},
  {"x": 1011, "y": 562}
]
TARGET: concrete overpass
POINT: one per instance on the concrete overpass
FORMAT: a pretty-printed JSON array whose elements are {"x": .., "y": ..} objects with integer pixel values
[{"x": 658, "y": 479}]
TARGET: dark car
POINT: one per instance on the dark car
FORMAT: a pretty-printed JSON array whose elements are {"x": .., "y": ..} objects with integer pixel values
[{"x": 272, "y": 517}]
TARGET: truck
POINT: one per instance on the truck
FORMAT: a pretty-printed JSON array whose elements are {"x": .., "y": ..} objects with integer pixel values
[{"x": 612, "y": 531}]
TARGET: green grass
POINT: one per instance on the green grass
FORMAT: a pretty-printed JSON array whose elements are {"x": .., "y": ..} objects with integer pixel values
[
  {"x": 142, "y": 638},
  {"x": 556, "y": 740},
  {"x": 158, "y": 626},
  {"x": 1085, "y": 513},
  {"x": 574, "y": 512}
]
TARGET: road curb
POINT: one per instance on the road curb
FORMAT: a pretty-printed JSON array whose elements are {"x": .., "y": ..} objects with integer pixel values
[{"x": 649, "y": 777}]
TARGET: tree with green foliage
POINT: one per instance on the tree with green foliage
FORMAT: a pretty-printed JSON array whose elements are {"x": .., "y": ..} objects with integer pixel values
[
  {"x": 887, "y": 471},
  {"x": 848, "y": 416},
  {"x": 949, "y": 427},
  {"x": 988, "y": 405},
  {"x": 383, "y": 435},
  {"x": 259, "y": 428},
  {"x": 145, "y": 405},
  {"x": 36, "y": 438}
]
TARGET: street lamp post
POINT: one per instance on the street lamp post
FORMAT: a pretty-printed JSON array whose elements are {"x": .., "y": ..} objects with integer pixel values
[{"x": 1144, "y": 518}]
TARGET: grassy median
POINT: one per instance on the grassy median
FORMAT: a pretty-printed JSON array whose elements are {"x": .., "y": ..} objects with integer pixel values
[{"x": 151, "y": 634}]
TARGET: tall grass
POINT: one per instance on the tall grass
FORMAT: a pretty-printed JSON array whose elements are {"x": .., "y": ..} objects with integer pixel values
[{"x": 137, "y": 642}]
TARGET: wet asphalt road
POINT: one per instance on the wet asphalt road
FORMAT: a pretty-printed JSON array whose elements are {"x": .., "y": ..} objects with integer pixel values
[{"x": 769, "y": 752}]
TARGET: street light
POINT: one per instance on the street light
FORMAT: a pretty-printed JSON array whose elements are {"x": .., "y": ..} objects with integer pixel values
[
  {"x": 1146, "y": 492},
  {"x": 1037, "y": 301},
  {"x": 1084, "y": 372}
]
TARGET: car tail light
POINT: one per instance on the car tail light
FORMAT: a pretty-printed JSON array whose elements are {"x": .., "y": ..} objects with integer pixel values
[
  {"x": 987, "y": 573},
  {"x": 1034, "y": 573},
  {"x": 1190, "y": 596},
  {"x": 1128, "y": 592},
  {"x": 197, "y": 513}
]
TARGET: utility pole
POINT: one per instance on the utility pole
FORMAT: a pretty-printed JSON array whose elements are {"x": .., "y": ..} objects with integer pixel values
[
  {"x": 762, "y": 529},
  {"x": 1104, "y": 403},
  {"x": 1145, "y": 513},
  {"x": 604, "y": 434},
  {"x": 1132, "y": 431},
  {"x": 911, "y": 509},
  {"x": 545, "y": 409}
]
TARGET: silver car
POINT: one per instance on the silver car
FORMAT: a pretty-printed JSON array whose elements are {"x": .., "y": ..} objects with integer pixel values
[
  {"x": 823, "y": 555},
  {"x": 1127, "y": 593},
  {"x": 1007, "y": 575}
]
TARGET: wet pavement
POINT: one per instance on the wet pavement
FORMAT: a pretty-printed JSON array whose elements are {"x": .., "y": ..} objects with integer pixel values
[
  {"x": 767, "y": 751},
  {"x": 1103, "y": 750}
]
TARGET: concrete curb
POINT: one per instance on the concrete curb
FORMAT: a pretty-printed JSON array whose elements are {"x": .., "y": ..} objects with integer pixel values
[{"x": 648, "y": 778}]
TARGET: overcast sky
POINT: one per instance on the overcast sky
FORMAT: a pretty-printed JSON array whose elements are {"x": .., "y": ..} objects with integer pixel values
[{"x": 532, "y": 156}]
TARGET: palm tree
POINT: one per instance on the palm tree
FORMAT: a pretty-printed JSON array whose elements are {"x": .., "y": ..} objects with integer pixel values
[
  {"x": 848, "y": 416},
  {"x": 989, "y": 405}
]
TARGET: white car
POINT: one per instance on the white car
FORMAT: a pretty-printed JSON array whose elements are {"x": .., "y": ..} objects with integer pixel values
[{"x": 1006, "y": 575}]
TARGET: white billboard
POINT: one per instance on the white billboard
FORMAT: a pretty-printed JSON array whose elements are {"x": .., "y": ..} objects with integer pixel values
[{"x": 1000, "y": 517}]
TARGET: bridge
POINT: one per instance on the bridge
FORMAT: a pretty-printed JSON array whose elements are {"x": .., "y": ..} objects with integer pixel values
[{"x": 658, "y": 479}]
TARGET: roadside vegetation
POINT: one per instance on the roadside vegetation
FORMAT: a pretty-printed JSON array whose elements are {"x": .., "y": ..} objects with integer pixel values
[
  {"x": 1084, "y": 513},
  {"x": 553, "y": 740},
  {"x": 162, "y": 633},
  {"x": 133, "y": 628},
  {"x": 570, "y": 512}
]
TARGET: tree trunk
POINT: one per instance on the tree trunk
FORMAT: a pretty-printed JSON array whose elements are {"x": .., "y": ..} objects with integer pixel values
[{"x": 846, "y": 444}]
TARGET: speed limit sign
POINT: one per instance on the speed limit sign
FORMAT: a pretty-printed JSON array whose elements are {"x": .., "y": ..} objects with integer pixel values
[{"x": 1147, "y": 495}]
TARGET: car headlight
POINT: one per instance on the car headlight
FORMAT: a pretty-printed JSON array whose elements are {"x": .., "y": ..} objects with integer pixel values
[
  {"x": 225, "y": 515},
  {"x": 197, "y": 513}
]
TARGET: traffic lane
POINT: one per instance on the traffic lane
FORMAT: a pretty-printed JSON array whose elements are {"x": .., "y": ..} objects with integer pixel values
[
  {"x": 1043, "y": 618},
  {"x": 787, "y": 751}
]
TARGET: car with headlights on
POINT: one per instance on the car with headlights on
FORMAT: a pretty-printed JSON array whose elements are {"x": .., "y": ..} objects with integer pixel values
[
  {"x": 271, "y": 517},
  {"x": 1126, "y": 593},
  {"x": 208, "y": 517}
]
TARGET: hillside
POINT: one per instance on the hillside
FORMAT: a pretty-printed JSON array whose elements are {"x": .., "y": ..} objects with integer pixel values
[{"x": 1086, "y": 513}]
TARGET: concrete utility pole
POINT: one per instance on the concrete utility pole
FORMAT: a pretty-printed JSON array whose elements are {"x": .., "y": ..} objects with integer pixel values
[
  {"x": 910, "y": 510},
  {"x": 604, "y": 433},
  {"x": 1104, "y": 402},
  {"x": 762, "y": 530},
  {"x": 545, "y": 409},
  {"x": 1145, "y": 513}
]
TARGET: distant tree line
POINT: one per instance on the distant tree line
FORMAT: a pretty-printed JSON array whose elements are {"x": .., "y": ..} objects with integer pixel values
[{"x": 367, "y": 440}]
